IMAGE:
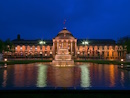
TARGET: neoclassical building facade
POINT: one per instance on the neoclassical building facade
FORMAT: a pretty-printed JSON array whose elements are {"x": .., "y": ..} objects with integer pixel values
[{"x": 78, "y": 48}]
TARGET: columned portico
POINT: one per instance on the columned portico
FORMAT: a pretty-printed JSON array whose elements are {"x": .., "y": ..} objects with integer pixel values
[{"x": 65, "y": 39}]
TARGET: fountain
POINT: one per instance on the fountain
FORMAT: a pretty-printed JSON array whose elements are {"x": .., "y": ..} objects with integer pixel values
[{"x": 63, "y": 58}]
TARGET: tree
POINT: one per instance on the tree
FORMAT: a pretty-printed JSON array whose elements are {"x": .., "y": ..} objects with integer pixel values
[
  {"x": 125, "y": 41},
  {"x": 8, "y": 45},
  {"x": 1, "y": 46}
]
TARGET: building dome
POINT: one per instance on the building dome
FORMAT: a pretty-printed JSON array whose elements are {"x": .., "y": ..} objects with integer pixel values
[
  {"x": 64, "y": 34},
  {"x": 64, "y": 31}
]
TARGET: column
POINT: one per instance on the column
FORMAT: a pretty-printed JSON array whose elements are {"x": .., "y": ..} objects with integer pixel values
[
  {"x": 67, "y": 44},
  {"x": 57, "y": 45},
  {"x": 62, "y": 44},
  {"x": 71, "y": 46},
  {"x": 75, "y": 48},
  {"x": 54, "y": 47}
]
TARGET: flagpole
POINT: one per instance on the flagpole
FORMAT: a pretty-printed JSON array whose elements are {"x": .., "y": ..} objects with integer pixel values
[{"x": 64, "y": 23}]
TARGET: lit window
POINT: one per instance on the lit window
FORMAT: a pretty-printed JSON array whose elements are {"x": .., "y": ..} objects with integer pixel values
[
  {"x": 50, "y": 52},
  {"x": 20, "y": 48},
  {"x": 36, "y": 48},
  {"x": 15, "y": 48}
]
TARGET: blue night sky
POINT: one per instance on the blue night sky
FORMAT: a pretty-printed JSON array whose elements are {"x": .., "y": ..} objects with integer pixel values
[{"x": 92, "y": 19}]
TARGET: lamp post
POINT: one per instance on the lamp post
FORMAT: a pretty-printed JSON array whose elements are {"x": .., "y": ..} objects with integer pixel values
[
  {"x": 41, "y": 43},
  {"x": 85, "y": 43}
]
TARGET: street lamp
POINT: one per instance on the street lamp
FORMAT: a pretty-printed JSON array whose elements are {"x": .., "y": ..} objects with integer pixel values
[
  {"x": 85, "y": 43},
  {"x": 41, "y": 43}
]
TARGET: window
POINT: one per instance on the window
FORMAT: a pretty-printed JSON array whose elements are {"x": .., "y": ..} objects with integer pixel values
[
  {"x": 107, "y": 53},
  {"x": 107, "y": 47},
  {"x": 93, "y": 48},
  {"x": 41, "y": 48},
  {"x": 103, "y": 53},
  {"x": 98, "y": 47},
  {"x": 113, "y": 47},
  {"x": 112, "y": 53},
  {"x": 102, "y": 47},
  {"x": 20, "y": 48}
]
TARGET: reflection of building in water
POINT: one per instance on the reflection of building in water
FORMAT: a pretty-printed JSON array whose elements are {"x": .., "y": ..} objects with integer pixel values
[
  {"x": 63, "y": 77},
  {"x": 85, "y": 77},
  {"x": 4, "y": 78},
  {"x": 104, "y": 75},
  {"x": 24, "y": 75},
  {"x": 41, "y": 78},
  {"x": 112, "y": 76},
  {"x": 122, "y": 78}
]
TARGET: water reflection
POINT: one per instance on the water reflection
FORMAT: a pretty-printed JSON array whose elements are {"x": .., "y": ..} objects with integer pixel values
[
  {"x": 4, "y": 78},
  {"x": 63, "y": 77},
  {"x": 24, "y": 75},
  {"x": 41, "y": 78},
  {"x": 85, "y": 78},
  {"x": 112, "y": 76},
  {"x": 122, "y": 79},
  {"x": 82, "y": 75}
]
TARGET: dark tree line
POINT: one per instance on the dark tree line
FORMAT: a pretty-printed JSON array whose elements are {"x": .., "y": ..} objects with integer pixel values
[
  {"x": 125, "y": 41},
  {"x": 6, "y": 45}
]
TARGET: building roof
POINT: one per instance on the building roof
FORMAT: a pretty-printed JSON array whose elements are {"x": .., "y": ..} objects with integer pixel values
[
  {"x": 79, "y": 42},
  {"x": 31, "y": 42},
  {"x": 64, "y": 34},
  {"x": 96, "y": 42}
]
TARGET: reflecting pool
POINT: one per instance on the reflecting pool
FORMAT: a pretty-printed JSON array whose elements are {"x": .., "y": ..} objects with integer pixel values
[{"x": 81, "y": 76}]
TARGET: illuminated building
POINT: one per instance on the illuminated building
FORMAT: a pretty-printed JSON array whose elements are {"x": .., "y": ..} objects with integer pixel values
[{"x": 78, "y": 48}]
